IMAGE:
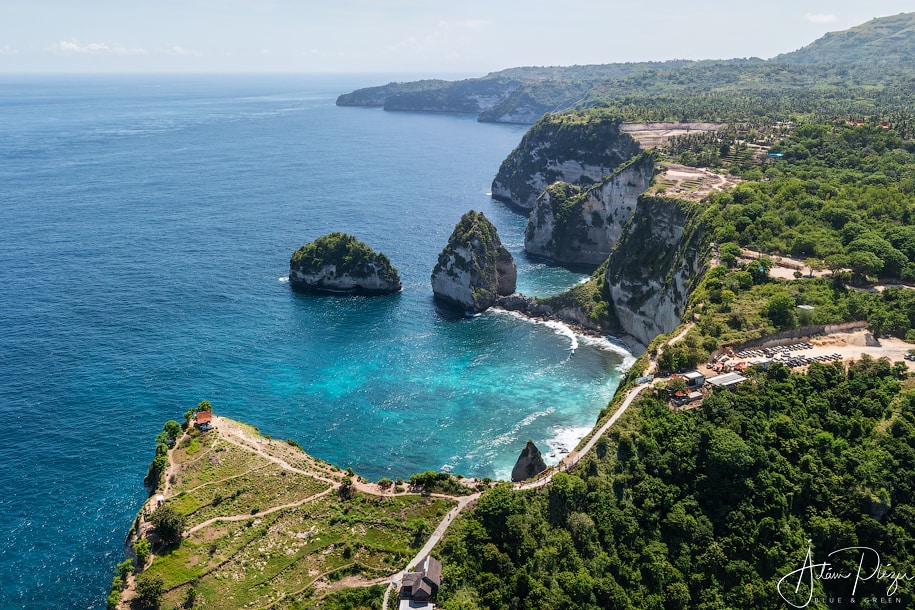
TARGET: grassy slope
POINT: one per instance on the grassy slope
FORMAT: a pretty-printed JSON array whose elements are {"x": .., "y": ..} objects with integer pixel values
[{"x": 286, "y": 554}]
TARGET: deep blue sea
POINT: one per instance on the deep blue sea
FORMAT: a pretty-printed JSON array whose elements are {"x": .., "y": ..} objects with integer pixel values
[{"x": 146, "y": 225}]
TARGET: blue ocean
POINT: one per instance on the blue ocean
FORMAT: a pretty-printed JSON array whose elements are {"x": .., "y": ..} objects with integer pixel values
[{"x": 147, "y": 225}]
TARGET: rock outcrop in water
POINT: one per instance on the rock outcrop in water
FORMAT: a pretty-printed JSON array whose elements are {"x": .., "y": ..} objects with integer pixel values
[
  {"x": 474, "y": 269},
  {"x": 339, "y": 263},
  {"x": 530, "y": 463}
]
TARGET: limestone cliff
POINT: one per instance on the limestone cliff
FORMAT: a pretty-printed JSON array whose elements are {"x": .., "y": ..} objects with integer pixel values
[
  {"x": 339, "y": 263},
  {"x": 474, "y": 268},
  {"x": 530, "y": 463},
  {"x": 575, "y": 225},
  {"x": 580, "y": 149},
  {"x": 462, "y": 96},
  {"x": 657, "y": 262}
]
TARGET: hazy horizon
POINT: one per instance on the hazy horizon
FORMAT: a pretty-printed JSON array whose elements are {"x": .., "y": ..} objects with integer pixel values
[{"x": 426, "y": 37}]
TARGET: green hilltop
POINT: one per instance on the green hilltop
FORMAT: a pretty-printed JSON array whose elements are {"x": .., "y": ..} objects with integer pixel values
[{"x": 887, "y": 40}]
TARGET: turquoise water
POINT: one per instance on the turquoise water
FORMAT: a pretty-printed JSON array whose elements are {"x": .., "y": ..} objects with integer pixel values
[{"x": 147, "y": 226}]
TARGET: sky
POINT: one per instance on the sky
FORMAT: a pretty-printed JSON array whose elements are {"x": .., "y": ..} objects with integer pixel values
[{"x": 432, "y": 37}]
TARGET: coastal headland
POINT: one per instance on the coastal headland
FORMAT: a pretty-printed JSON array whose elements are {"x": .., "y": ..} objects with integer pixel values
[{"x": 266, "y": 525}]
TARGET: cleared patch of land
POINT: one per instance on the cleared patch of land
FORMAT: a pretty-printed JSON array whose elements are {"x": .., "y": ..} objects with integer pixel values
[
  {"x": 650, "y": 135},
  {"x": 690, "y": 183}
]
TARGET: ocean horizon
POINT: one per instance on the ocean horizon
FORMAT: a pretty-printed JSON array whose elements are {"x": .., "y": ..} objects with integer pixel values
[{"x": 149, "y": 222}]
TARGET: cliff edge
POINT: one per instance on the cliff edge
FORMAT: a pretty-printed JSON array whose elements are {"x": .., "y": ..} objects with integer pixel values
[
  {"x": 580, "y": 149},
  {"x": 656, "y": 264},
  {"x": 577, "y": 225}
]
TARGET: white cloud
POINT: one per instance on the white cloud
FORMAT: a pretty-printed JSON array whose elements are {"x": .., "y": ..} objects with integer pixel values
[
  {"x": 450, "y": 39},
  {"x": 182, "y": 52},
  {"x": 8, "y": 50},
  {"x": 820, "y": 18},
  {"x": 73, "y": 46}
]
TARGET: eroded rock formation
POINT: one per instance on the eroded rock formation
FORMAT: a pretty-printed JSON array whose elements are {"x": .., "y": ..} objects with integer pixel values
[
  {"x": 530, "y": 463},
  {"x": 576, "y": 225},
  {"x": 474, "y": 269},
  {"x": 580, "y": 149},
  {"x": 339, "y": 263}
]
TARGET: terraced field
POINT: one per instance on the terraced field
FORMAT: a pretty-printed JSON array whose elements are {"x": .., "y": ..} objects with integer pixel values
[{"x": 268, "y": 526}]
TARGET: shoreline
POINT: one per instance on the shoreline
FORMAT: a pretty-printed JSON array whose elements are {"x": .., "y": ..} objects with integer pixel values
[
  {"x": 626, "y": 347},
  {"x": 567, "y": 438}
]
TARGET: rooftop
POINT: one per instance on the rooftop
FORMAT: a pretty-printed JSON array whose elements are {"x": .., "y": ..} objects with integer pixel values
[{"x": 726, "y": 379}]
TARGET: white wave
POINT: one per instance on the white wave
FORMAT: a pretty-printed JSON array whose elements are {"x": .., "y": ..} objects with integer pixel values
[
  {"x": 606, "y": 344},
  {"x": 609, "y": 345},
  {"x": 284, "y": 279},
  {"x": 503, "y": 474},
  {"x": 512, "y": 434},
  {"x": 563, "y": 441},
  {"x": 562, "y": 329}
]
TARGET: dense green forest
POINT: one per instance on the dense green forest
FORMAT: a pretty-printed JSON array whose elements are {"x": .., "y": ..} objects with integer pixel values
[{"x": 711, "y": 508}]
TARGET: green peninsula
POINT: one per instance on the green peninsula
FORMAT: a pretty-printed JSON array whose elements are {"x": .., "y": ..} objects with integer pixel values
[{"x": 261, "y": 524}]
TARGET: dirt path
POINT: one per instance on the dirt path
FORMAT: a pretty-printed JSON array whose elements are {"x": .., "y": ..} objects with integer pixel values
[
  {"x": 244, "y": 441},
  {"x": 272, "y": 509},
  {"x": 576, "y": 456},
  {"x": 463, "y": 502},
  {"x": 653, "y": 363}
]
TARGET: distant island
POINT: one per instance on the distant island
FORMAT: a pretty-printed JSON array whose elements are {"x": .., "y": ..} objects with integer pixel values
[{"x": 339, "y": 263}]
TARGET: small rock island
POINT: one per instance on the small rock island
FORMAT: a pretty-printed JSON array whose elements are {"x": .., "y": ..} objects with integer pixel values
[
  {"x": 339, "y": 263},
  {"x": 530, "y": 463},
  {"x": 474, "y": 269}
]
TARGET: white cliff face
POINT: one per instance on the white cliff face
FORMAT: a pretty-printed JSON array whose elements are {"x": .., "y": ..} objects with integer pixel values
[
  {"x": 589, "y": 232},
  {"x": 659, "y": 314},
  {"x": 522, "y": 114},
  {"x": 651, "y": 274},
  {"x": 474, "y": 268},
  {"x": 452, "y": 283},
  {"x": 570, "y": 171},
  {"x": 327, "y": 279},
  {"x": 562, "y": 148}
]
